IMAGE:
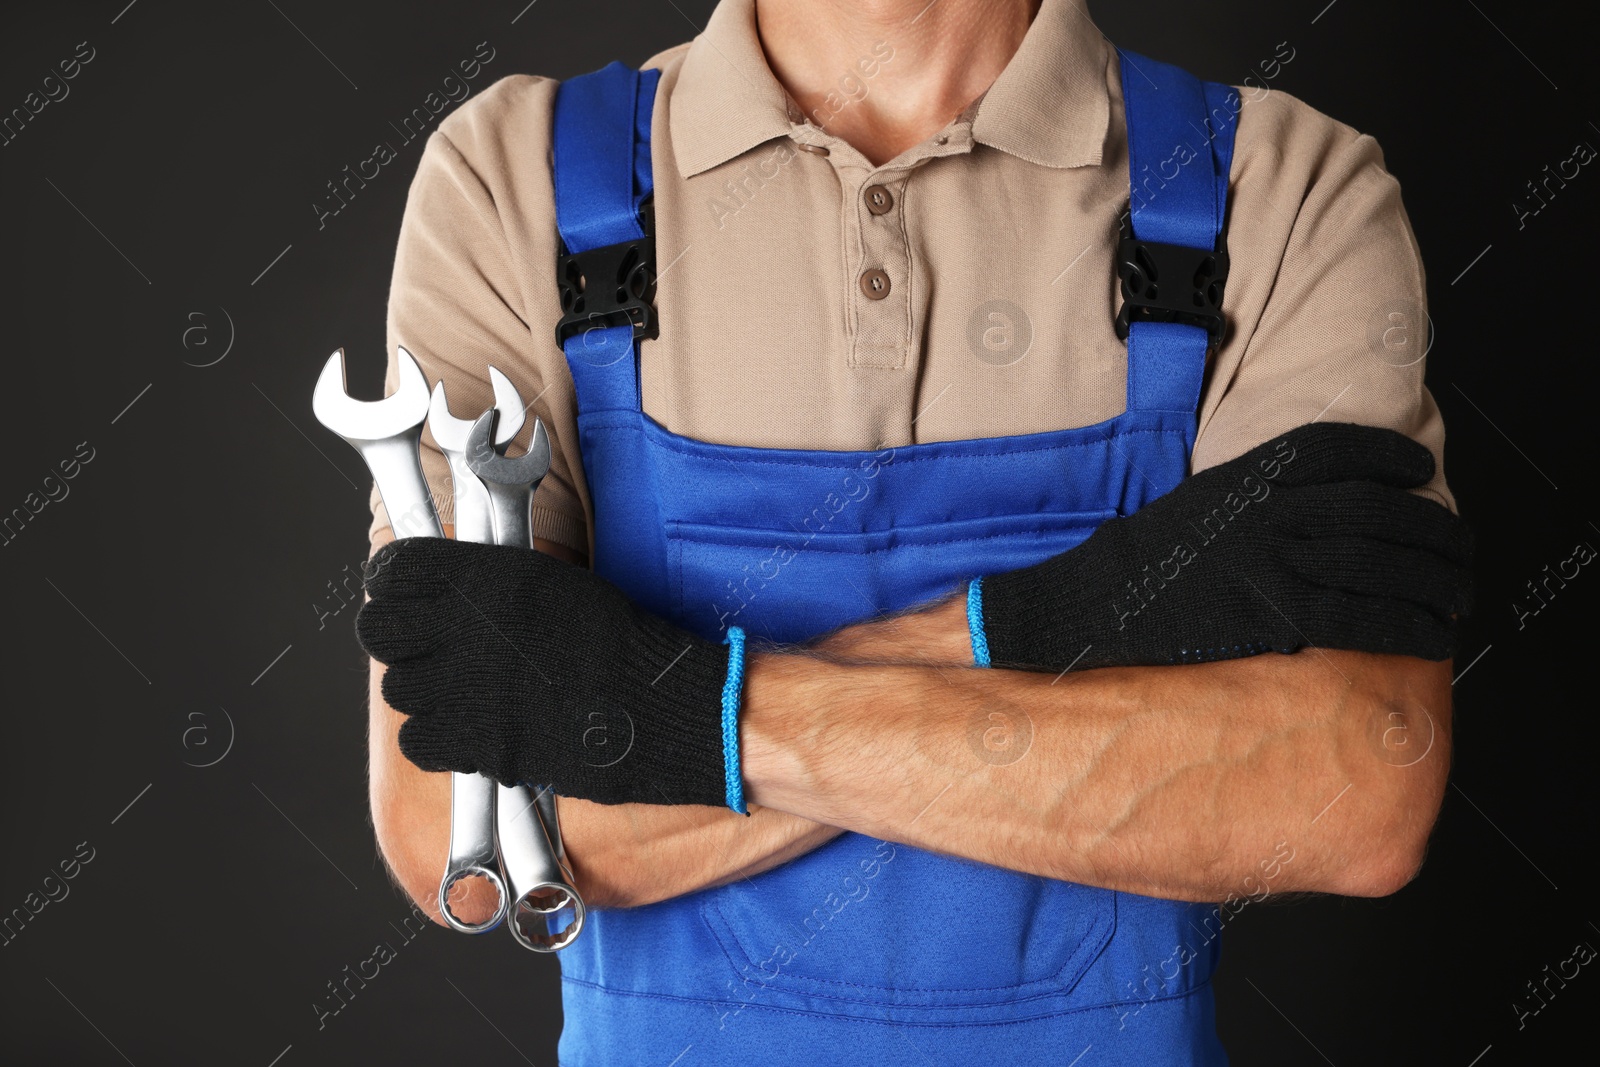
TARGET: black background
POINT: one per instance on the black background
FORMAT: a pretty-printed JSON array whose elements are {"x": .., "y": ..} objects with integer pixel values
[{"x": 143, "y": 219}]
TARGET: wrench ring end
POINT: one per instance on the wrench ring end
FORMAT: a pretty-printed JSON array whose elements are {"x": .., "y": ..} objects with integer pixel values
[
  {"x": 452, "y": 878},
  {"x": 530, "y": 914}
]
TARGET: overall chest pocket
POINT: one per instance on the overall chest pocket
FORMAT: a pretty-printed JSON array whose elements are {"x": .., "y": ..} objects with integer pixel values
[
  {"x": 861, "y": 925},
  {"x": 791, "y": 585}
]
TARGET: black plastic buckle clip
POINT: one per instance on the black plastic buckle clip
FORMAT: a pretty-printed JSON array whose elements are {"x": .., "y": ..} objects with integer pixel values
[
  {"x": 613, "y": 285},
  {"x": 1170, "y": 283}
]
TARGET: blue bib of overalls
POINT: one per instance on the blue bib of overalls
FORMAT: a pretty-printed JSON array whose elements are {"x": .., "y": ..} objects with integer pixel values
[{"x": 863, "y": 950}]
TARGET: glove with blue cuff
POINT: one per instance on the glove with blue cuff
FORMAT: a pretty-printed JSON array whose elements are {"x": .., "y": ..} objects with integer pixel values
[
  {"x": 519, "y": 666},
  {"x": 1311, "y": 539}
]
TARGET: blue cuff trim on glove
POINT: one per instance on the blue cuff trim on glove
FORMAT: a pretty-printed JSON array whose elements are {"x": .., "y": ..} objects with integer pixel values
[
  {"x": 980, "y": 640},
  {"x": 730, "y": 719}
]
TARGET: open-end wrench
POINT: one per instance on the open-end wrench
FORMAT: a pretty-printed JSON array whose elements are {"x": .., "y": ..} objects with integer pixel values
[
  {"x": 472, "y": 797},
  {"x": 540, "y": 880},
  {"x": 388, "y": 433}
]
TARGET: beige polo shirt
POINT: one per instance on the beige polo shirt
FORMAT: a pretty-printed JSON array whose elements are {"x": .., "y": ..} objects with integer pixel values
[{"x": 995, "y": 239}]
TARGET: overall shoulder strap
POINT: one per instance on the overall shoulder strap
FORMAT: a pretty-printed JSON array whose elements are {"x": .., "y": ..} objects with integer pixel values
[
  {"x": 600, "y": 147},
  {"x": 1172, "y": 261}
]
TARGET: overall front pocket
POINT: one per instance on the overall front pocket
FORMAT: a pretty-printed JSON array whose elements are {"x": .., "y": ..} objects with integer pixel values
[
  {"x": 860, "y": 925},
  {"x": 790, "y": 586}
]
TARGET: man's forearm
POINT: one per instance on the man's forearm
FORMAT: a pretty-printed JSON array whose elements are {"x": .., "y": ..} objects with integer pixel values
[
  {"x": 627, "y": 855},
  {"x": 1165, "y": 781}
]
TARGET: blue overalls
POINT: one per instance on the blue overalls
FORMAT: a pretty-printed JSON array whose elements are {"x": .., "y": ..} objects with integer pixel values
[{"x": 863, "y": 950}]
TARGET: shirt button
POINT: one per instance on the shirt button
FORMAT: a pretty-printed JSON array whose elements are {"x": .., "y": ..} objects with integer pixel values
[
  {"x": 879, "y": 199},
  {"x": 875, "y": 284},
  {"x": 814, "y": 149}
]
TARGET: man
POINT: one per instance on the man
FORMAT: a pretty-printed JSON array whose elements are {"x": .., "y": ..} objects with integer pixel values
[{"x": 867, "y": 748}]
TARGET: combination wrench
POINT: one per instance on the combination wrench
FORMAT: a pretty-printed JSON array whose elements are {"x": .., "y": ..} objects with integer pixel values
[
  {"x": 529, "y": 843},
  {"x": 540, "y": 877},
  {"x": 473, "y": 853},
  {"x": 388, "y": 435}
]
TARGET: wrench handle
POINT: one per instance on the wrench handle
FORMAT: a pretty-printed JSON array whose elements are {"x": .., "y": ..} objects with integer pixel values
[
  {"x": 474, "y": 849},
  {"x": 509, "y": 507},
  {"x": 545, "y": 798},
  {"x": 396, "y": 467}
]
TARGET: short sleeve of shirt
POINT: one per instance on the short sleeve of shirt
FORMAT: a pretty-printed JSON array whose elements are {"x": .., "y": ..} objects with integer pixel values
[
  {"x": 1338, "y": 322},
  {"x": 478, "y": 224}
]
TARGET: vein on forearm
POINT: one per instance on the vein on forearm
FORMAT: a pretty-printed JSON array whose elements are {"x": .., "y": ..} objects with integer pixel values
[{"x": 1163, "y": 781}]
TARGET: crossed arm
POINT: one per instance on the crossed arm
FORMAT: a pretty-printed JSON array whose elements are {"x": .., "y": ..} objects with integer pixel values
[{"x": 1175, "y": 782}]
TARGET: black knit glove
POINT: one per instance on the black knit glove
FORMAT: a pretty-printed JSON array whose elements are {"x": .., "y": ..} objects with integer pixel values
[
  {"x": 1308, "y": 540},
  {"x": 514, "y": 664}
]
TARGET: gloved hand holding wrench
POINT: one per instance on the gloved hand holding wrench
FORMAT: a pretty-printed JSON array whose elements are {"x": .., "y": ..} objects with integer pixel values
[
  {"x": 387, "y": 433},
  {"x": 503, "y": 659}
]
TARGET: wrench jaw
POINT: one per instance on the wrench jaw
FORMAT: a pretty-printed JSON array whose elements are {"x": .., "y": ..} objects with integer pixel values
[
  {"x": 487, "y": 462},
  {"x": 509, "y": 482},
  {"x": 471, "y": 499},
  {"x": 510, "y": 414},
  {"x": 450, "y": 434},
  {"x": 370, "y": 420},
  {"x": 387, "y": 433}
]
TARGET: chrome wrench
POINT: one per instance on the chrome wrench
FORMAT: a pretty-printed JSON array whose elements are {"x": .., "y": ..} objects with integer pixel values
[
  {"x": 473, "y": 852},
  {"x": 388, "y": 434},
  {"x": 540, "y": 878}
]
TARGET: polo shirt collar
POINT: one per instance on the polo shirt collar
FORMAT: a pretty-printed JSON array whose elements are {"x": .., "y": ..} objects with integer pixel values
[
  {"x": 726, "y": 100},
  {"x": 1049, "y": 105}
]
